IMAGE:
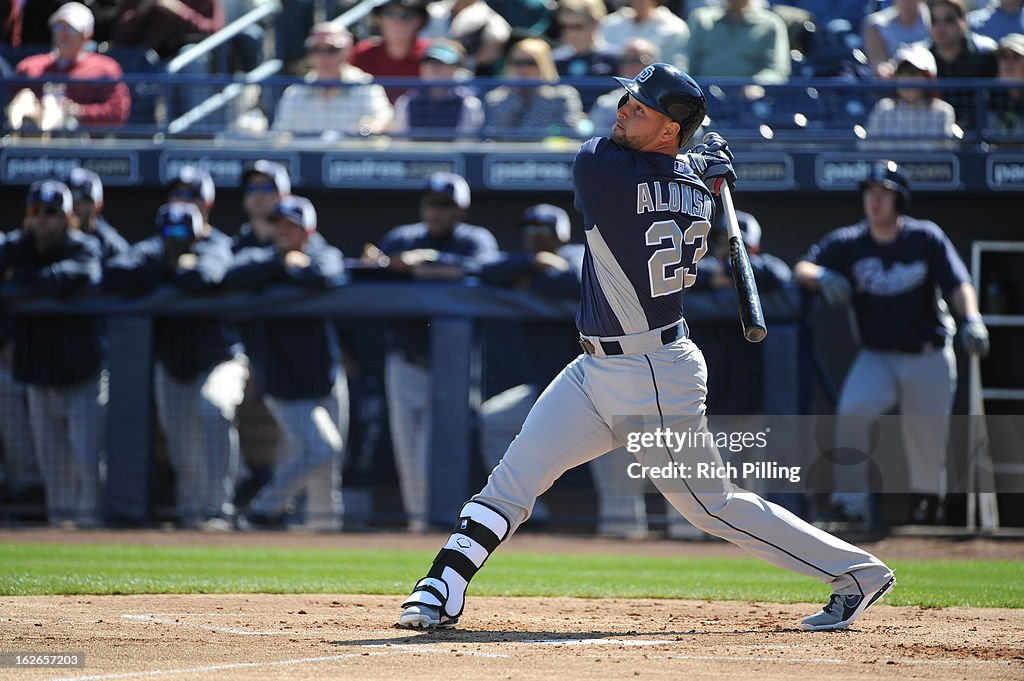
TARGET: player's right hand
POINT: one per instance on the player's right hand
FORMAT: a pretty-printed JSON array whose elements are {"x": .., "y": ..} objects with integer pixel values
[{"x": 835, "y": 288}]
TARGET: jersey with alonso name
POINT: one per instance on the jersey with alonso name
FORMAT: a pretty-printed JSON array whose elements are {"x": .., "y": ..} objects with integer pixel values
[
  {"x": 646, "y": 220},
  {"x": 895, "y": 284}
]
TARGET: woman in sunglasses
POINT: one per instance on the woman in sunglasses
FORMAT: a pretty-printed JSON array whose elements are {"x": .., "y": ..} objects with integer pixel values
[
  {"x": 534, "y": 106},
  {"x": 59, "y": 359},
  {"x": 337, "y": 99}
]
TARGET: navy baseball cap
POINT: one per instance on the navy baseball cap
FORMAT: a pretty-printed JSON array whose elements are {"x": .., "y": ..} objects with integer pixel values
[
  {"x": 85, "y": 185},
  {"x": 50, "y": 193},
  {"x": 298, "y": 210},
  {"x": 451, "y": 185},
  {"x": 196, "y": 179},
  {"x": 179, "y": 222},
  {"x": 549, "y": 216},
  {"x": 277, "y": 173}
]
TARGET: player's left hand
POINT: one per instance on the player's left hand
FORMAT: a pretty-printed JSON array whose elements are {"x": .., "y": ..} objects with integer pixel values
[
  {"x": 712, "y": 160},
  {"x": 974, "y": 336}
]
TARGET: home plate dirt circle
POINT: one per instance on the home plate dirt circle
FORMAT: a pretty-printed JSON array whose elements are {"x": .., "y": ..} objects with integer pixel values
[{"x": 228, "y": 637}]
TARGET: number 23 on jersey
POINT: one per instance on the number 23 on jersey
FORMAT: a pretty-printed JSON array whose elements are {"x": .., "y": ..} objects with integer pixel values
[{"x": 674, "y": 267}]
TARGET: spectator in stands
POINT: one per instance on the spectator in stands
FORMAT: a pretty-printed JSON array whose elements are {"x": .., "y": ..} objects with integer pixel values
[
  {"x": 960, "y": 54},
  {"x": 10, "y": 22},
  {"x": 582, "y": 51},
  {"x": 171, "y": 27},
  {"x": 247, "y": 46},
  {"x": 531, "y": 111},
  {"x": 824, "y": 12},
  {"x": 481, "y": 30},
  {"x": 636, "y": 54},
  {"x": 901, "y": 23},
  {"x": 69, "y": 106},
  {"x": 305, "y": 388},
  {"x": 200, "y": 373},
  {"x": 439, "y": 110},
  {"x": 1006, "y": 107},
  {"x": 398, "y": 50},
  {"x": 441, "y": 246},
  {"x": 532, "y": 18},
  {"x": 916, "y": 114},
  {"x": 998, "y": 19},
  {"x": 59, "y": 359},
  {"x": 33, "y": 26},
  {"x": 653, "y": 21},
  {"x": 740, "y": 39},
  {"x": 333, "y": 111},
  {"x": 87, "y": 194},
  {"x": 167, "y": 26},
  {"x": 292, "y": 25}
]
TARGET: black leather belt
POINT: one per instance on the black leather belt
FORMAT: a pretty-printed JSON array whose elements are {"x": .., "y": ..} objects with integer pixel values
[{"x": 610, "y": 348}]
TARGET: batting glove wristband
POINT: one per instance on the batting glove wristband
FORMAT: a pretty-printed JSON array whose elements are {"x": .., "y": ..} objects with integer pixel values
[
  {"x": 835, "y": 288},
  {"x": 712, "y": 160},
  {"x": 974, "y": 336}
]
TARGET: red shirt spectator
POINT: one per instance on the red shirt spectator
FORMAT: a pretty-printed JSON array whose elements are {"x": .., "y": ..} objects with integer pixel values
[
  {"x": 97, "y": 103},
  {"x": 398, "y": 50},
  {"x": 167, "y": 25},
  {"x": 10, "y": 28},
  {"x": 91, "y": 104}
]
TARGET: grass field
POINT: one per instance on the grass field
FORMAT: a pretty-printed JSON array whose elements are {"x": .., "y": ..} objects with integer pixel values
[{"x": 40, "y": 569}]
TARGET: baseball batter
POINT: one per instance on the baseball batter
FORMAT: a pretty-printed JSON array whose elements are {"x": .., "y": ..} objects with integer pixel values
[{"x": 646, "y": 218}]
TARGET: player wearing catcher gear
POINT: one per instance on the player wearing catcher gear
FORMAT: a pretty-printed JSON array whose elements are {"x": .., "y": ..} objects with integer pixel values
[
  {"x": 891, "y": 267},
  {"x": 646, "y": 217}
]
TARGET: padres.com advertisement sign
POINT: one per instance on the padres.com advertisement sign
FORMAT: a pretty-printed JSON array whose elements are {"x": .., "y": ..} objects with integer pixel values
[
  {"x": 25, "y": 166},
  {"x": 1005, "y": 173},
  {"x": 929, "y": 172}
]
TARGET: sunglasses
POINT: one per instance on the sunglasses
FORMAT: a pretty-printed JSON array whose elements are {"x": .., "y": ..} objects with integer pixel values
[
  {"x": 400, "y": 14},
  {"x": 183, "y": 195},
  {"x": 324, "y": 49},
  {"x": 44, "y": 209},
  {"x": 439, "y": 203},
  {"x": 572, "y": 27},
  {"x": 264, "y": 188},
  {"x": 538, "y": 229},
  {"x": 524, "y": 63},
  {"x": 62, "y": 27},
  {"x": 177, "y": 232},
  {"x": 77, "y": 196},
  {"x": 947, "y": 19}
]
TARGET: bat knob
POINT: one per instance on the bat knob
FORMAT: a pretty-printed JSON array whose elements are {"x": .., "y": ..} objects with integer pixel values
[{"x": 756, "y": 334}]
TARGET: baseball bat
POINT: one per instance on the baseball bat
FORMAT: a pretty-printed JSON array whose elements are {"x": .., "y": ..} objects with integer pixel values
[{"x": 751, "y": 315}]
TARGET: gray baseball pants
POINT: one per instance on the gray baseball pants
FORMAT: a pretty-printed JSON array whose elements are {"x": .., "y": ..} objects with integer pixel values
[
  {"x": 313, "y": 433},
  {"x": 594, "y": 405},
  {"x": 66, "y": 433},
  {"x": 921, "y": 385},
  {"x": 198, "y": 420}
]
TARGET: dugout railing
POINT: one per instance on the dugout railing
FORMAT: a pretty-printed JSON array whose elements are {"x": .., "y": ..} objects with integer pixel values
[{"x": 455, "y": 311}]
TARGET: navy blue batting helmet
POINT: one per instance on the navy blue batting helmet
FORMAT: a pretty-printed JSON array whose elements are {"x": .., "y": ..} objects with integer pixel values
[
  {"x": 889, "y": 175},
  {"x": 671, "y": 92}
]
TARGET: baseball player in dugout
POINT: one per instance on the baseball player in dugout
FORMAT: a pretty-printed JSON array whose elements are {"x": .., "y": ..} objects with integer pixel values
[
  {"x": 647, "y": 210},
  {"x": 59, "y": 359},
  {"x": 891, "y": 268},
  {"x": 87, "y": 193},
  {"x": 438, "y": 247},
  {"x": 305, "y": 389},
  {"x": 200, "y": 371}
]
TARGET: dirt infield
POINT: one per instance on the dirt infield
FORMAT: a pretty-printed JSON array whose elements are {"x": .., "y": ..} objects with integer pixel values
[
  {"x": 300, "y": 637},
  {"x": 228, "y": 638}
]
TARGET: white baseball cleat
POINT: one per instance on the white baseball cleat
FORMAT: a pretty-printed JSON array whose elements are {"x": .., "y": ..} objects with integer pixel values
[
  {"x": 842, "y": 610},
  {"x": 420, "y": 616}
]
